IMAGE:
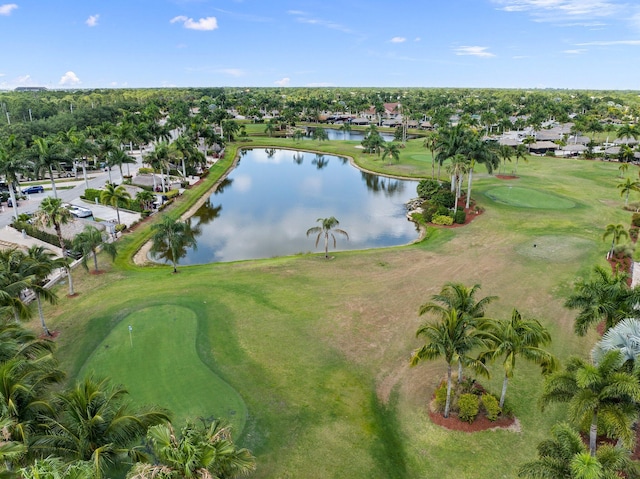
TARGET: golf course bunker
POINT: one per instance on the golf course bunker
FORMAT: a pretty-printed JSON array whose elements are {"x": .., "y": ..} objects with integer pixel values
[
  {"x": 528, "y": 198},
  {"x": 555, "y": 248},
  {"x": 152, "y": 353}
]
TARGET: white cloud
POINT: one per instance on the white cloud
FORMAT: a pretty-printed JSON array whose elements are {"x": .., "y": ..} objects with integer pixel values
[
  {"x": 2, "y": 74},
  {"x": 398, "y": 40},
  {"x": 577, "y": 51},
  {"x": 69, "y": 78},
  {"x": 234, "y": 72},
  {"x": 561, "y": 10},
  {"x": 204, "y": 24},
  {"x": 608, "y": 43},
  {"x": 417, "y": 39},
  {"x": 92, "y": 21},
  {"x": 7, "y": 8},
  {"x": 283, "y": 82},
  {"x": 473, "y": 51}
]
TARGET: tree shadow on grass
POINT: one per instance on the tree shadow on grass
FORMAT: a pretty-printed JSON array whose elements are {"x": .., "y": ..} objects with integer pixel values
[{"x": 388, "y": 446}]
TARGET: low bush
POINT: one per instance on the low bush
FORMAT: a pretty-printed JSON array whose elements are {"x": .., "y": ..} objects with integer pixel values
[
  {"x": 442, "y": 220},
  {"x": 145, "y": 171},
  {"x": 427, "y": 188},
  {"x": 90, "y": 194},
  {"x": 460, "y": 217},
  {"x": 444, "y": 198},
  {"x": 491, "y": 406},
  {"x": 440, "y": 398},
  {"x": 633, "y": 233},
  {"x": 468, "y": 407},
  {"x": 34, "y": 232}
]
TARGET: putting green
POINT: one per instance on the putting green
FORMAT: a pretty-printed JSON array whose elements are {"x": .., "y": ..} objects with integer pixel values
[
  {"x": 157, "y": 363},
  {"x": 421, "y": 157},
  {"x": 555, "y": 248},
  {"x": 528, "y": 198}
]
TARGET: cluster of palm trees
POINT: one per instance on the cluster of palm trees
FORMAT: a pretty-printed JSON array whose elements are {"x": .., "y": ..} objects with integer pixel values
[{"x": 462, "y": 335}]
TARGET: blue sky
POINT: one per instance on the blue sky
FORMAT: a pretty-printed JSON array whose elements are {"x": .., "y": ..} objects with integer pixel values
[{"x": 585, "y": 44}]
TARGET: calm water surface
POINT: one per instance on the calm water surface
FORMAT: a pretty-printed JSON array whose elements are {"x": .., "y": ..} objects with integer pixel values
[
  {"x": 354, "y": 135},
  {"x": 266, "y": 205}
]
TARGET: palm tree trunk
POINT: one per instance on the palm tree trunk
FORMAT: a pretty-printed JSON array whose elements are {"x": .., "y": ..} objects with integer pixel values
[
  {"x": 593, "y": 434},
  {"x": 504, "y": 390},
  {"x": 44, "y": 325},
  {"x": 14, "y": 203},
  {"x": 121, "y": 174},
  {"x": 447, "y": 404},
  {"x": 469, "y": 188},
  {"x": 109, "y": 171},
  {"x": 439, "y": 166},
  {"x": 84, "y": 173},
  {"x": 53, "y": 183},
  {"x": 326, "y": 245},
  {"x": 71, "y": 291},
  {"x": 184, "y": 170},
  {"x": 95, "y": 260},
  {"x": 117, "y": 212},
  {"x": 459, "y": 370}
]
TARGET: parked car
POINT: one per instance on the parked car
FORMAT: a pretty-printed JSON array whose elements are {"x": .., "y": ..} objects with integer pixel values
[
  {"x": 30, "y": 190},
  {"x": 80, "y": 211},
  {"x": 70, "y": 253},
  {"x": 10, "y": 203}
]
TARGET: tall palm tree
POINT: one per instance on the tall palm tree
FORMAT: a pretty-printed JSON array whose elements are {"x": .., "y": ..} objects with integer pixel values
[
  {"x": 47, "y": 154},
  {"x": 564, "y": 456},
  {"x": 13, "y": 282},
  {"x": 116, "y": 196},
  {"x": 392, "y": 150},
  {"x": 145, "y": 199},
  {"x": 171, "y": 238},
  {"x": 520, "y": 154},
  {"x": 11, "y": 165},
  {"x": 327, "y": 229},
  {"x": 89, "y": 241},
  {"x": 53, "y": 214},
  {"x": 158, "y": 159},
  {"x": 119, "y": 158},
  {"x": 517, "y": 337},
  {"x": 627, "y": 187},
  {"x": 345, "y": 128},
  {"x": 628, "y": 131},
  {"x": 93, "y": 422},
  {"x": 458, "y": 168},
  {"x": 430, "y": 143},
  {"x": 105, "y": 147},
  {"x": 461, "y": 298},
  {"x": 41, "y": 262},
  {"x": 199, "y": 451},
  {"x": 624, "y": 337},
  {"x": 604, "y": 297},
  {"x": 505, "y": 153},
  {"x": 601, "y": 396},
  {"x": 528, "y": 141},
  {"x": 616, "y": 232},
  {"x": 451, "y": 338}
]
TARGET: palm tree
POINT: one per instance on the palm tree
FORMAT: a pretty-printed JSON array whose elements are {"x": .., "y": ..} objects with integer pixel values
[
  {"x": 14, "y": 280},
  {"x": 89, "y": 241},
  {"x": 624, "y": 337},
  {"x": 346, "y": 128},
  {"x": 430, "y": 143},
  {"x": 392, "y": 150},
  {"x": 171, "y": 238},
  {"x": 479, "y": 151},
  {"x": 520, "y": 154},
  {"x": 623, "y": 168},
  {"x": 105, "y": 147},
  {"x": 517, "y": 337},
  {"x": 55, "y": 468},
  {"x": 599, "y": 395},
  {"x": 116, "y": 196},
  {"x": 327, "y": 229},
  {"x": 564, "y": 456},
  {"x": 505, "y": 153},
  {"x": 119, "y": 158},
  {"x": 320, "y": 134},
  {"x": 451, "y": 338},
  {"x": 270, "y": 128},
  {"x": 628, "y": 131},
  {"x": 199, "y": 451},
  {"x": 11, "y": 165},
  {"x": 461, "y": 298},
  {"x": 458, "y": 167},
  {"x": 92, "y": 422},
  {"x": 606, "y": 297},
  {"x": 145, "y": 199},
  {"x": 47, "y": 154},
  {"x": 40, "y": 262},
  {"x": 617, "y": 232},
  {"x": 528, "y": 141},
  {"x": 158, "y": 159},
  {"x": 627, "y": 187}
]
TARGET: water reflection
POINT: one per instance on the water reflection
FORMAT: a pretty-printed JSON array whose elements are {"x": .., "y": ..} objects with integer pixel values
[
  {"x": 354, "y": 135},
  {"x": 264, "y": 207}
]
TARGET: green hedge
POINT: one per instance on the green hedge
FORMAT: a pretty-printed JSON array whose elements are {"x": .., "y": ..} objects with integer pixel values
[
  {"x": 491, "y": 406},
  {"x": 36, "y": 233},
  {"x": 90, "y": 194},
  {"x": 468, "y": 407},
  {"x": 442, "y": 220}
]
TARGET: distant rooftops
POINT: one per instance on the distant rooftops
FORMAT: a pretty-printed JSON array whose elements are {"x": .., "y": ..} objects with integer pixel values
[{"x": 30, "y": 88}]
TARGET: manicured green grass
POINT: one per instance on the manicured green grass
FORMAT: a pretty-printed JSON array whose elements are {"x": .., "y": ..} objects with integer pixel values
[
  {"x": 528, "y": 198},
  {"x": 318, "y": 350},
  {"x": 162, "y": 345}
]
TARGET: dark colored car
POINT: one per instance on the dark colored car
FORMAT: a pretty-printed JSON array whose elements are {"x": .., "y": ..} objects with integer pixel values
[
  {"x": 70, "y": 253},
  {"x": 33, "y": 189}
]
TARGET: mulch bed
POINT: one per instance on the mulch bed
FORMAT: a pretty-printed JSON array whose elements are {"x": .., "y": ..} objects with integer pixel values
[
  {"x": 54, "y": 335},
  {"x": 480, "y": 424},
  {"x": 507, "y": 177}
]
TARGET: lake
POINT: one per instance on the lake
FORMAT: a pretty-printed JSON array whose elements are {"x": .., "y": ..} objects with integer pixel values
[{"x": 265, "y": 206}]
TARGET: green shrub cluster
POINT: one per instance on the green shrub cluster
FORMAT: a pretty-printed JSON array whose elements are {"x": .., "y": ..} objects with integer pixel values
[
  {"x": 468, "y": 407},
  {"x": 34, "y": 232},
  {"x": 635, "y": 219},
  {"x": 90, "y": 194},
  {"x": 145, "y": 170},
  {"x": 460, "y": 217},
  {"x": 442, "y": 220},
  {"x": 491, "y": 406}
]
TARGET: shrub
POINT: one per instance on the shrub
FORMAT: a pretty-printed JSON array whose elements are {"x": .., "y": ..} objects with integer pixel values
[
  {"x": 633, "y": 233},
  {"x": 172, "y": 194},
  {"x": 90, "y": 194},
  {"x": 491, "y": 406},
  {"x": 145, "y": 171},
  {"x": 468, "y": 407},
  {"x": 427, "y": 188},
  {"x": 460, "y": 217},
  {"x": 442, "y": 220},
  {"x": 444, "y": 198},
  {"x": 34, "y": 232},
  {"x": 428, "y": 210},
  {"x": 624, "y": 250},
  {"x": 635, "y": 219},
  {"x": 441, "y": 397},
  {"x": 120, "y": 227}
]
